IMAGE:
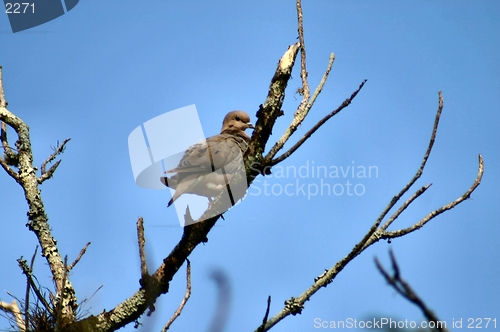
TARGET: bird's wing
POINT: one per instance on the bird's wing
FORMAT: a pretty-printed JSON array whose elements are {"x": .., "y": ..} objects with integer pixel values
[{"x": 216, "y": 152}]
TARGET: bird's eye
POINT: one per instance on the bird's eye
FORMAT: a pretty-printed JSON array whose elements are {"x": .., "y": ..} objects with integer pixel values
[{"x": 237, "y": 118}]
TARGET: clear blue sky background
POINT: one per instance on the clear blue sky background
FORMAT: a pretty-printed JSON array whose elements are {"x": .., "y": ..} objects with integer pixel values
[{"x": 104, "y": 68}]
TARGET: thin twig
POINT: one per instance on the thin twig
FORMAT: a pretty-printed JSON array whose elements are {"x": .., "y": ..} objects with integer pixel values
[
  {"x": 26, "y": 271},
  {"x": 405, "y": 205},
  {"x": 435, "y": 213},
  {"x": 317, "y": 126},
  {"x": 300, "y": 114},
  {"x": 47, "y": 175},
  {"x": 177, "y": 313},
  {"x": 303, "y": 70},
  {"x": 142, "y": 254},
  {"x": 306, "y": 103},
  {"x": 57, "y": 150},
  {"x": 266, "y": 315},
  {"x": 91, "y": 296},
  {"x": 374, "y": 234},
  {"x": 27, "y": 296},
  {"x": 405, "y": 290},
  {"x": 319, "y": 88},
  {"x": 82, "y": 252},
  {"x": 417, "y": 175}
]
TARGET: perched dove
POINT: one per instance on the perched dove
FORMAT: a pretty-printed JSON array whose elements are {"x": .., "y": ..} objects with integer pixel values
[{"x": 197, "y": 171}]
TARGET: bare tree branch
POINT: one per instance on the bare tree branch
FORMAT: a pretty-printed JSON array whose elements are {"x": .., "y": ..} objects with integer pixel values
[
  {"x": 403, "y": 191},
  {"x": 270, "y": 110},
  {"x": 371, "y": 234},
  {"x": 13, "y": 309},
  {"x": 301, "y": 113},
  {"x": 37, "y": 218},
  {"x": 294, "y": 305},
  {"x": 317, "y": 126},
  {"x": 158, "y": 283},
  {"x": 80, "y": 255},
  {"x": 57, "y": 150},
  {"x": 319, "y": 88},
  {"x": 178, "y": 312},
  {"x": 405, "y": 205},
  {"x": 303, "y": 71},
  {"x": 435, "y": 213},
  {"x": 306, "y": 104},
  {"x": 405, "y": 290}
]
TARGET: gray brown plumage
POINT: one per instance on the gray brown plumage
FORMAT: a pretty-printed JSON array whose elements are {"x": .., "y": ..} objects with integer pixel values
[{"x": 198, "y": 171}]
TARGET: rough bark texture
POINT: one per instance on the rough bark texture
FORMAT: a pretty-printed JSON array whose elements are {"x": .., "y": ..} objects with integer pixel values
[{"x": 37, "y": 218}]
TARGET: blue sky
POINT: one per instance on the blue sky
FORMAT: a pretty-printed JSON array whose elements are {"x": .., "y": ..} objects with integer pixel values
[{"x": 101, "y": 70}]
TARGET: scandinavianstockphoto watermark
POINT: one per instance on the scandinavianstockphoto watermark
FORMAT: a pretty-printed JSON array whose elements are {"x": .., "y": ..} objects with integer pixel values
[{"x": 311, "y": 179}]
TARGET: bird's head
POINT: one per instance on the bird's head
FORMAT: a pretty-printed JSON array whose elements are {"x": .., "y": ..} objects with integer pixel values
[{"x": 236, "y": 120}]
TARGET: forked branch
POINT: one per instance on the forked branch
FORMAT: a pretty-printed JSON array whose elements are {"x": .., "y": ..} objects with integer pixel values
[
  {"x": 405, "y": 290},
  {"x": 294, "y": 305},
  {"x": 57, "y": 150},
  {"x": 301, "y": 113},
  {"x": 435, "y": 213},
  {"x": 306, "y": 103}
]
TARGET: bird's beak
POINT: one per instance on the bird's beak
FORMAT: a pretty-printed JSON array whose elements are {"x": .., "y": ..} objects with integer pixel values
[{"x": 250, "y": 125}]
